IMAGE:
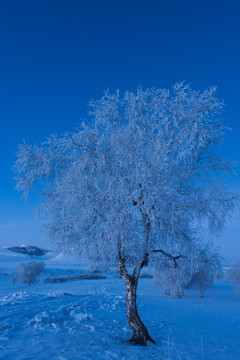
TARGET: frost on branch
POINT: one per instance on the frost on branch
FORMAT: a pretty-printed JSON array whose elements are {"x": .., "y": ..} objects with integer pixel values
[{"x": 141, "y": 175}]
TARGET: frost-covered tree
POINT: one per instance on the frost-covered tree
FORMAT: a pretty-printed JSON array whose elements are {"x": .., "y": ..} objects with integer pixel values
[
  {"x": 174, "y": 274},
  {"x": 197, "y": 265},
  {"x": 141, "y": 175},
  {"x": 233, "y": 275},
  {"x": 209, "y": 265},
  {"x": 27, "y": 272}
]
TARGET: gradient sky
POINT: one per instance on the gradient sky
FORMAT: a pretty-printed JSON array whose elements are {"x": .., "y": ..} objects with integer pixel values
[{"x": 56, "y": 55}]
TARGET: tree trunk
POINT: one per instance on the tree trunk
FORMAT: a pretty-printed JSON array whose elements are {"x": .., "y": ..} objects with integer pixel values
[
  {"x": 201, "y": 292},
  {"x": 139, "y": 330}
]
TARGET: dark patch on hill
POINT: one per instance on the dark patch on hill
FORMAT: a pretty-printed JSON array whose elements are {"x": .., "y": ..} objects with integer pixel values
[
  {"x": 73, "y": 278},
  {"x": 28, "y": 250}
]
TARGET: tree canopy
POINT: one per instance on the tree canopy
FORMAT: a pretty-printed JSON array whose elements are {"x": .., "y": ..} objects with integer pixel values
[{"x": 141, "y": 175}]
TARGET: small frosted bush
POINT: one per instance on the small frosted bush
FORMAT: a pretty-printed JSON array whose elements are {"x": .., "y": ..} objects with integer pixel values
[{"x": 27, "y": 272}]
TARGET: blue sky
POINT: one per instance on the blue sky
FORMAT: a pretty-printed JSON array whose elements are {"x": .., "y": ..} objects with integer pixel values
[{"x": 56, "y": 55}]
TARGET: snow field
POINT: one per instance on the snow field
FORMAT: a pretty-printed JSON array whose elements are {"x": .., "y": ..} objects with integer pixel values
[{"x": 86, "y": 320}]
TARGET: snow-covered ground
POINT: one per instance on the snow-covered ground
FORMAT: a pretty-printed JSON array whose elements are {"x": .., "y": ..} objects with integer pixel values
[{"x": 86, "y": 319}]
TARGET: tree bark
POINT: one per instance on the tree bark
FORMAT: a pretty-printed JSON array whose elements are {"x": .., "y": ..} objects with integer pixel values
[{"x": 140, "y": 333}]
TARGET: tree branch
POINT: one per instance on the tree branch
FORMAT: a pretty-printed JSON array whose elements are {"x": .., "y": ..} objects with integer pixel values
[
  {"x": 121, "y": 264},
  {"x": 174, "y": 258}
]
